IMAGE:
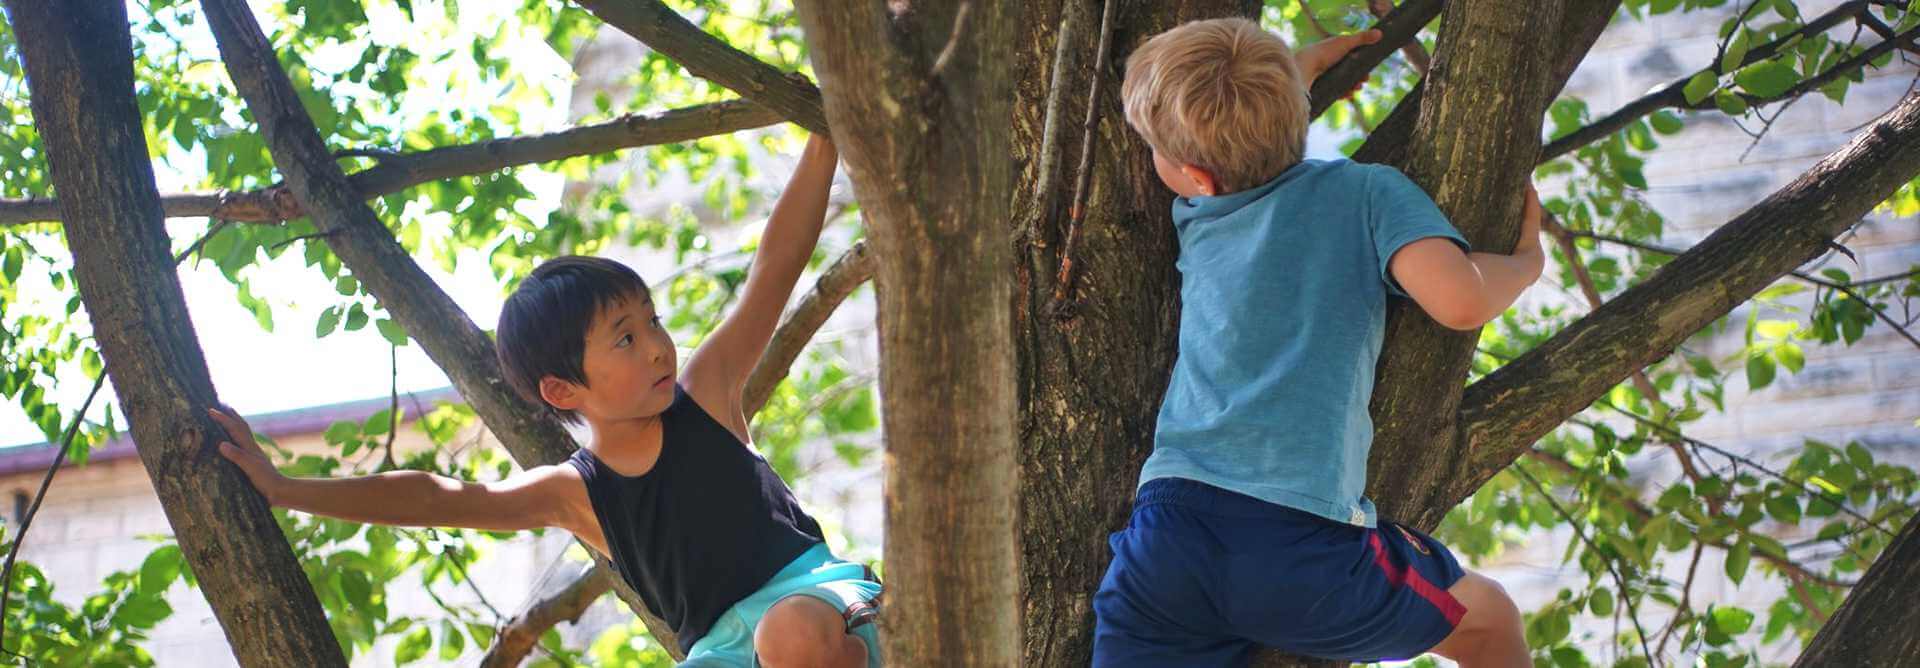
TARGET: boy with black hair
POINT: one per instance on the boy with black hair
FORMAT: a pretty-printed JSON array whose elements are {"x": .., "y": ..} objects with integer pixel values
[{"x": 669, "y": 488}]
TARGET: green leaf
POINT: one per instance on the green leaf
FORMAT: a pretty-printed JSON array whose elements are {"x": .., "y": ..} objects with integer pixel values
[
  {"x": 452, "y": 643},
  {"x": 356, "y": 318},
  {"x": 1759, "y": 371},
  {"x": 1731, "y": 620},
  {"x": 1601, "y": 601},
  {"x": 1736, "y": 51},
  {"x": 1859, "y": 457},
  {"x": 357, "y": 588},
  {"x": 413, "y": 647},
  {"x": 1784, "y": 509},
  {"x": 1729, "y": 103},
  {"x": 342, "y": 431},
  {"x": 392, "y": 331},
  {"x": 1700, "y": 86},
  {"x": 142, "y": 611},
  {"x": 1738, "y": 559},
  {"x": 160, "y": 569},
  {"x": 1767, "y": 78},
  {"x": 1790, "y": 356},
  {"x": 329, "y": 319},
  {"x": 1666, "y": 122},
  {"x": 378, "y": 423},
  {"x": 1775, "y": 329},
  {"x": 1633, "y": 177}
]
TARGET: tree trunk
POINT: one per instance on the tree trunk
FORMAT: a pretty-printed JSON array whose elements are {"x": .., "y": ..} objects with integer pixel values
[
  {"x": 1875, "y": 625},
  {"x": 1092, "y": 369},
  {"x": 79, "y": 62},
  {"x": 918, "y": 102},
  {"x": 530, "y": 434},
  {"x": 1473, "y": 152}
]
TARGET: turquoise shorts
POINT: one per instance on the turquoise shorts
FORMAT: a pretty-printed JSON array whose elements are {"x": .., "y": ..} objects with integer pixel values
[{"x": 816, "y": 573}]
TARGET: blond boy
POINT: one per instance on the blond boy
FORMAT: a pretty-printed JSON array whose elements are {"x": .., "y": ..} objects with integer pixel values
[{"x": 1250, "y": 527}]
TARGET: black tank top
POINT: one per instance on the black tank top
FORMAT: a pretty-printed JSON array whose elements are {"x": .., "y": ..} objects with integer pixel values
[{"x": 708, "y": 525}]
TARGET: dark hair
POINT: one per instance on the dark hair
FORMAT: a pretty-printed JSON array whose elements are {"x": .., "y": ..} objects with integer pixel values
[{"x": 544, "y": 324}]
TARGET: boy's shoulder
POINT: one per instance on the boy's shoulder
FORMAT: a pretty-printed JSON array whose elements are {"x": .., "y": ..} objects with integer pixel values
[{"x": 1337, "y": 179}]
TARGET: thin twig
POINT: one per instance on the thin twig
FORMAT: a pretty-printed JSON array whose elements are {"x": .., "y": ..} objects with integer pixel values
[
  {"x": 1686, "y": 593},
  {"x": 1063, "y": 286},
  {"x": 953, "y": 41},
  {"x": 303, "y": 237},
  {"x": 201, "y": 242},
  {"x": 393, "y": 403},
  {"x": 1612, "y": 567},
  {"x": 1736, "y": 457},
  {"x": 1799, "y": 587},
  {"x": 26, "y": 521}
]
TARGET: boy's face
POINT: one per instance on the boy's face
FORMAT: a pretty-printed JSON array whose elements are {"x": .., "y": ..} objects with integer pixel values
[{"x": 629, "y": 361}]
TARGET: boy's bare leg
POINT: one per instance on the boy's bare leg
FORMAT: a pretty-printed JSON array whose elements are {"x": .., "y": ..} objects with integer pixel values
[
  {"x": 1489, "y": 636},
  {"x": 806, "y": 631}
]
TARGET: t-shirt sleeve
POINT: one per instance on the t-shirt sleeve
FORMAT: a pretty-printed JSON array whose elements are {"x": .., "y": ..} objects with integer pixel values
[{"x": 1400, "y": 213}]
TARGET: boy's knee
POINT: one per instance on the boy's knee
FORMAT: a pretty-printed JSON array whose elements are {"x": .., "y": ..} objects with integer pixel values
[
  {"x": 804, "y": 631},
  {"x": 1488, "y": 605}
]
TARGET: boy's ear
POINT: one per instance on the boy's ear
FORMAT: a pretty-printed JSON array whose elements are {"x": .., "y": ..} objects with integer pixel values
[
  {"x": 561, "y": 394},
  {"x": 1202, "y": 179}
]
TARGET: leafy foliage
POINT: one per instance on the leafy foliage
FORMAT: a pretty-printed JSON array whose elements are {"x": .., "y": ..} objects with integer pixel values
[{"x": 411, "y": 75}]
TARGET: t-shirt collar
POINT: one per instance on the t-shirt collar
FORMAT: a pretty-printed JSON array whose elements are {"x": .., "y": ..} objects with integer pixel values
[{"x": 1215, "y": 206}]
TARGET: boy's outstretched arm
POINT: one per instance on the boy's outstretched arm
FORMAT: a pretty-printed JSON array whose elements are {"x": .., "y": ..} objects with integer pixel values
[
  {"x": 1466, "y": 290},
  {"x": 716, "y": 373},
  {"x": 545, "y": 496}
]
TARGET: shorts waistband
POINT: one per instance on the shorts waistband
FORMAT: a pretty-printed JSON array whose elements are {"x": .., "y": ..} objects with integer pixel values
[{"x": 1217, "y": 501}]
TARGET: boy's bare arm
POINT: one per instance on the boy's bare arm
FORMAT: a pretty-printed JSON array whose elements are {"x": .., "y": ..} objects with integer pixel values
[
  {"x": 719, "y": 369},
  {"x": 1464, "y": 291},
  {"x": 545, "y": 496}
]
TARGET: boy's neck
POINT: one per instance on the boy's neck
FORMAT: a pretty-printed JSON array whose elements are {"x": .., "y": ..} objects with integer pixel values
[{"x": 624, "y": 434}]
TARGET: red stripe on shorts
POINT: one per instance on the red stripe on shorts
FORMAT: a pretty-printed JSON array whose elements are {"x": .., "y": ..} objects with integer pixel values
[{"x": 1408, "y": 577}]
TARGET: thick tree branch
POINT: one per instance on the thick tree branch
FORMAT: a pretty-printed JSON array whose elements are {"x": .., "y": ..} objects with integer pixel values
[
  {"x": 400, "y": 171},
  {"x": 1673, "y": 95},
  {"x": 710, "y": 58},
  {"x": 1415, "y": 52},
  {"x": 78, "y": 58},
  {"x": 1523, "y": 400},
  {"x": 1850, "y": 288},
  {"x": 1579, "y": 29},
  {"x": 928, "y": 155},
  {"x": 518, "y": 636},
  {"x": 1472, "y": 152},
  {"x": 1398, "y": 28},
  {"x": 1874, "y": 626},
  {"x": 853, "y": 268},
  {"x": 532, "y": 434}
]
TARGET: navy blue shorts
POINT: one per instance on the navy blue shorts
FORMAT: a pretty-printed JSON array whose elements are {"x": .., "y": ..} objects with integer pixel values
[{"x": 1204, "y": 577}]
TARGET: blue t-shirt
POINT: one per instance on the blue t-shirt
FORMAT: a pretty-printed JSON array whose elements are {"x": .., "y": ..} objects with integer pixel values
[{"x": 1283, "y": 307}]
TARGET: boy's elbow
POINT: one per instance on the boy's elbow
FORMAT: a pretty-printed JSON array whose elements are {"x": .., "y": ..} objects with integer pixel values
[{"x": 1460, "y": 317}]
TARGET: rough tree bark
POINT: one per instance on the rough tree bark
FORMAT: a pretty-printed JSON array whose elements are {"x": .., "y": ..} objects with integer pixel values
[
  {"x": 1091, "y": 374},
  {"x": 919, "y": 102},
  {"x": 1874, "y": 626},
  {"x": 533, "y": 436},
  {"x": 79, "y": 62}
]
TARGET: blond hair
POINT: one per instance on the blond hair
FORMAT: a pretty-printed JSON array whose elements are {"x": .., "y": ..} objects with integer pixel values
[{"x": 1222, "y": 95}]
